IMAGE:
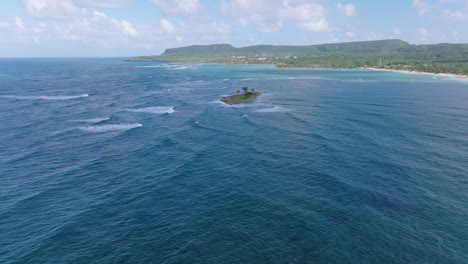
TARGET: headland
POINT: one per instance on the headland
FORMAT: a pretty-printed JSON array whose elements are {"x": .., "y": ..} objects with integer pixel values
[{"x": 392, "y": 54}]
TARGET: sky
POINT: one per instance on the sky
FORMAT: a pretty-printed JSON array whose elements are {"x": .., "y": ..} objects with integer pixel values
[{"x": 120, "y": 28}]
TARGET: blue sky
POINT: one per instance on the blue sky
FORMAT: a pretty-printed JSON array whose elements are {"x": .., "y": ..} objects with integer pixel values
[{"x": 74, "y": 28}]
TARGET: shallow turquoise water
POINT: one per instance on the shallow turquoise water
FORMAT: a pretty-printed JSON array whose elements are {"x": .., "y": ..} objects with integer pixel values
[{"x": 103, "y": 161}]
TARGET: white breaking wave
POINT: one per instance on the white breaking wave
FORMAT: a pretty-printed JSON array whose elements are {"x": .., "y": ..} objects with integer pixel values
[
  {"x": 150, "y": 66},
  {"x": 274, "y": 109},
  {"x": 92, "y": 120},
  {"x": 223, "y": 104},
  {"x": 153, "y": 110},
  {"x": 167, "y": 66},
  {"x": 110, "y": 127},
  {"x": 45, "y": 97}
]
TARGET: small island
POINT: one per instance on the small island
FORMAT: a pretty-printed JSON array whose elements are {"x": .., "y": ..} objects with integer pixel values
[{"x": 239, "y": 98}]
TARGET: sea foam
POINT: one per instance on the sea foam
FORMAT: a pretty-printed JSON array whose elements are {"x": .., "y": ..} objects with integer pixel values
[
  {"x": 274, "y": 109},
  {"x": 150, "y": 66},
  {"x": 110, "y": 127},
  {"x": 91, "y": 120},
  {"x": 180, "y": 68},
  {"x": 153, "y": 110},
  {"x": 45, "y": 97}
]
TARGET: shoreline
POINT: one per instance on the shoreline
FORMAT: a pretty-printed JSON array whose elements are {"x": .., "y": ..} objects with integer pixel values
[
  {"x": 239, "y": 98},
  {"x": 448, "y": 75}
]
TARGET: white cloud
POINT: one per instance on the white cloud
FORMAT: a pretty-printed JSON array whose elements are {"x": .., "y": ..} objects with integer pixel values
[
  {"x": 423, "y": 7},
  {"x": 460, "y": 2},
  {"x": 270, "y": 16},
  {"x": 333, "y": 39},
  {"x": 177, "y": 6},
  {"x": 373, "y": 36},
  {"x": 317, "y": 26},
  {"x": 456, "y": 14},
  {"x": 348, "y": 10},
  {"x": 127, "y": 28},
  {"x": 83, "y": 24},
  {"x": 102, "y": 3},
  {"x": 19, "y": 24},
  {"x": 350, "y": 34},
  {"x": 201, "y": 31},
  {"x": 63, "y": 9},
  {"x": 456, "y": 10},
  {"x": 52, "y": 9},
  {"x": 167, "y": 26},
  {"x": 396, "y": 31},
  {"x": 68, "y": 22},
  {"x": 220, "y": 28},
  {"x": 310, "y": 16},
  {"x": 39, "y": 28},
  {"x": 187, "y": 31},
  {"x": 4, "y": 25},
  {"x": 423, "y": 34},
  {"x": 101, "y": 22}
]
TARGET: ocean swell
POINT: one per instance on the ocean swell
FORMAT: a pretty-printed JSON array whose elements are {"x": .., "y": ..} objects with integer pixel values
[
  {"x": 45, "y": 97},
  {"x": 274, "y": 109},
  {"x": 153, "y": 110},
  {"x": 110, "y": 127},
  {"x": 91, "y": 120}
]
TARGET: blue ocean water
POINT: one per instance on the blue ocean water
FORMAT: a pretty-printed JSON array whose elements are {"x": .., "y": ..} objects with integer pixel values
[{"x": 103, "y": 161}]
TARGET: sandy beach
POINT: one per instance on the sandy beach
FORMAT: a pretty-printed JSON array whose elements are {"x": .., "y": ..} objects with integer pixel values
[{"x": 447, "y": 75}]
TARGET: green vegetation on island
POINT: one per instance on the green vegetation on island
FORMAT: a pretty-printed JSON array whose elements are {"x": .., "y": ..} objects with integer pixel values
[
  {"x": 382, "y": 54},
  {"x": 239, "y": 98}
]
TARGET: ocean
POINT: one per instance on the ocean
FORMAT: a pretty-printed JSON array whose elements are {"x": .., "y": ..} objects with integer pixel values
[{"x": 106, "y": 161}]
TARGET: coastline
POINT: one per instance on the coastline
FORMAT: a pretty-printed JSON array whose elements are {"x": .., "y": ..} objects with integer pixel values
[
  {"x": 448, "y": 75},
  {"x": 240, "y": 98}
]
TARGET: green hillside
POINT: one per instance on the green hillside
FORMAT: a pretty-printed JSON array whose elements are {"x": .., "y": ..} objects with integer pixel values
[
  {"x": 201, "y": 50},
  {"x": 385, "y": 54},
  {"x": 270, "y": 50}
]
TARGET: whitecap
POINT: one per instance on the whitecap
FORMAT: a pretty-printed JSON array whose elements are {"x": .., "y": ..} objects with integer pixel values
[
  {"x": 153, "y": 110},
  {"x": 45, "y": 97},
  {"x": 220, "y": 103},
  {"x": 149, "y": 66},
  {"x": 92, "y": 120},
  {"x": 223, "y": 104},
  {"x": 274, "y": 109},
  {"x": 110, "y": 127}
]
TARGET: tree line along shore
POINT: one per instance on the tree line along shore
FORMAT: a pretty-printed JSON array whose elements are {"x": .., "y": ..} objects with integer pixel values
[{"x": 383, "y": 54}]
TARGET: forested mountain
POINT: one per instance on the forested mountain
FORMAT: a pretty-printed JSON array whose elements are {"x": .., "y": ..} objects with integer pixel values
[{"x": 387, "y": 54}]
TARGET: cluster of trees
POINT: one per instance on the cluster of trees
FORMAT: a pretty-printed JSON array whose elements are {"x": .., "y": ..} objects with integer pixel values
[
  {"x": 433, "y": 65},
  {"x": 246, "y": 90},
  {"x": 386, "y": 54}
]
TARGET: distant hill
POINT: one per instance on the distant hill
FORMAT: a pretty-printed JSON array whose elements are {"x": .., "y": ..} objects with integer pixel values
[
  {"x": 386, "y": 54},
  {"x": 270, "y": 50},
  {"x": 201, "y": 50}
]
